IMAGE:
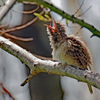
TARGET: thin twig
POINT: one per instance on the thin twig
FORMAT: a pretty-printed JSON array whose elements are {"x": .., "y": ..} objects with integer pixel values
[
  {"x": 67, "y": 16},
  {"x": 5, "y": 91},
  {"x": 28, "y": 12},
  {"x": 22, "y": 26},
  {"x": 79, "y": 7},
  {"x": 84, "y": 12},
  {"x": 6, "y": 7},
  {"x": 10, "y": 36}
]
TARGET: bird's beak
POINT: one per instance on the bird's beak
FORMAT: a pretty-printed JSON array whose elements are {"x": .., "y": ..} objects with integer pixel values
[
  {"x": 54, "y": 24},
  {"x": 54, "y": 28},
  {"x": 47, "y": 26}
]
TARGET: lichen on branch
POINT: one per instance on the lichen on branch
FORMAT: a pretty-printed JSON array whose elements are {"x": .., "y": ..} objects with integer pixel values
[{"x": 48, "y": 66}]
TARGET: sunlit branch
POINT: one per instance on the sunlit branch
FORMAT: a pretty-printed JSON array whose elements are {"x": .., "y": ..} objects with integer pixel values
[
  {"x": 37, "y": 65},
  {"x": 6, "y": 7}
]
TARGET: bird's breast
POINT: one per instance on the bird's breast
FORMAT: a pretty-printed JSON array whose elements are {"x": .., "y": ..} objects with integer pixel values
[{"x": 61, "y": 54}]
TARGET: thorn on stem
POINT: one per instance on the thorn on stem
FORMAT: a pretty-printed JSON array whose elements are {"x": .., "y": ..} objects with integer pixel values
[{"x": 91, "y": 36}]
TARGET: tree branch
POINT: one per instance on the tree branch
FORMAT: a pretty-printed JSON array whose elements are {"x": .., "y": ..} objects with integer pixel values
[
  {"x": 8, "y": 4},
  {"x": 37, "y": 65},
  {"x": 82, "y": 23}
]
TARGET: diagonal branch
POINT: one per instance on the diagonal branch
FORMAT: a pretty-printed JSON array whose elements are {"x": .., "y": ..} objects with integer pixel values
[
  {"x": 82, "y": 23},
  {"x": 8, "y": 4},
  {"x": 48, "y": 66}
]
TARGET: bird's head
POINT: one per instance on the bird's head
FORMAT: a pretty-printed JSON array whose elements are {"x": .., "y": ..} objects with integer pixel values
[{"x": 56, "y": 32}]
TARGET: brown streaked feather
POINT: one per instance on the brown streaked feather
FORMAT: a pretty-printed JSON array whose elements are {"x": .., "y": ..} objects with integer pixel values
[{"x": 78, "y": 51}]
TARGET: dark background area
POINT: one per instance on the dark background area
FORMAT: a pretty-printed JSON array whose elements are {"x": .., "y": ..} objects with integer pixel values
[{"x": 42, "y": 86}]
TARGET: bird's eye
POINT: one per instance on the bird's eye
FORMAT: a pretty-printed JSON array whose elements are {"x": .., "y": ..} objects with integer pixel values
[
  {"x": 55, "y": 39},
  {"x": 58, "y": 27}
]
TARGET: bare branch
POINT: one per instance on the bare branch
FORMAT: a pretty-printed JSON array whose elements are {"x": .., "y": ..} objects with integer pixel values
[
  {"x": 6, "y": 8},
  {"x": 22, "y": 26},
  {"x": 10, "y": 36},
  {"x": 67, "y": 16},
  {"x": 37, "y": 65},
  {"x": 5, "y": 91}
]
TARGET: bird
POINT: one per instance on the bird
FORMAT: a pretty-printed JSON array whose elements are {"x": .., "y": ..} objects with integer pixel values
[{"x": 68, "y": 49}]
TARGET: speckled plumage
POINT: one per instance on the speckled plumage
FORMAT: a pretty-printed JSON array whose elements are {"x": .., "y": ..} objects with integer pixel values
[{"x": 68, "y": 49}]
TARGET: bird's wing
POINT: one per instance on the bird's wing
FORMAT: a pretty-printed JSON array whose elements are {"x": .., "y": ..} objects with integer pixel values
[{"x": 79, "y": 52}]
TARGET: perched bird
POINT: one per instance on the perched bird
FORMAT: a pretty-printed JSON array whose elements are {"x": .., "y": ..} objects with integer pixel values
[{"x": 68, "y": 49}]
